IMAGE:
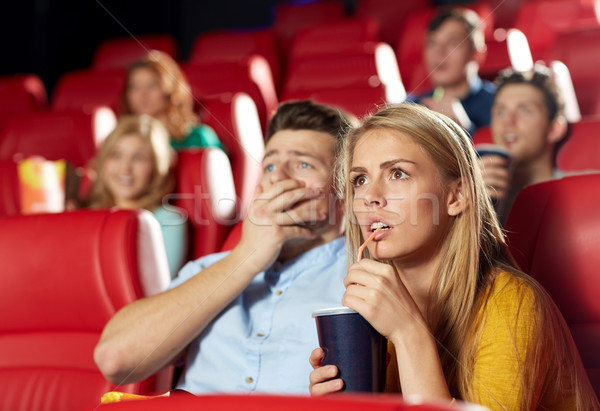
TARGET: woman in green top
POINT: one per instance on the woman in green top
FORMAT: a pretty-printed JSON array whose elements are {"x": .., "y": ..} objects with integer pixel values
[{"x": 155, "y": 85}]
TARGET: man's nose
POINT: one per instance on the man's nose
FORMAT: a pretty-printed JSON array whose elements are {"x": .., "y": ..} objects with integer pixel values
[{"x": 280, "y": 173}]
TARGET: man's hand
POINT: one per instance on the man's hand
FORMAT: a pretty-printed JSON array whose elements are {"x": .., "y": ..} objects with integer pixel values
[
  {"x": 280, "y": 212},
  {"x": 496, "y": 176}
]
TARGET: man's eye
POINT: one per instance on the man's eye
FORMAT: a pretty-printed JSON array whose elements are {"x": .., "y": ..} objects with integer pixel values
[
  {"x": 269, "y": 168},
  {"x": 305, "y": 165}
]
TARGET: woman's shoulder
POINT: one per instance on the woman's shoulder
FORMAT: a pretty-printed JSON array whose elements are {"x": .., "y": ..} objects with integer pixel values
[{"x": 511, "y": 293}]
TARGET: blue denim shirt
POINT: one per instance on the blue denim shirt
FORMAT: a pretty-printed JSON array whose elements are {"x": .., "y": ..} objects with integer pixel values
[{"x": 261, "y": 342}]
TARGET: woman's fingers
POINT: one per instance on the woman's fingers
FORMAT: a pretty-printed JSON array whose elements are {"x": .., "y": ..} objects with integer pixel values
[{"x": 316, "y": 356}]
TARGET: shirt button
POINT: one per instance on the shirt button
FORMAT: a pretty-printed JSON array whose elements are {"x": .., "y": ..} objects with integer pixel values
[
  {"x": 260, "y": 335},
  {"x": 278, "y": 292},
  {"x": 276, "y": 268},
  {"x": 249, "y": 380}
]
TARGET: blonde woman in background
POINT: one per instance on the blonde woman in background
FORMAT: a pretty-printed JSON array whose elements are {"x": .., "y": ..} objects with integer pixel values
[
  {"x": 155, "y": 85},
  {"x": 438, "y": 281},
  {"x": 134, "y": 170}
]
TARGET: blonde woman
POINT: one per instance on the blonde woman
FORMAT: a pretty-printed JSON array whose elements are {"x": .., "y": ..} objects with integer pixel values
[
  {"x": 438, "y": 281},
  {"x": 134, "y": 170},
  {"x": 155, "y": 85}
]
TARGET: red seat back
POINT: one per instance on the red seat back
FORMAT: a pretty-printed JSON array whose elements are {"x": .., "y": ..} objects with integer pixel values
[
  {"x": 483, "y": 135},
  {"x": 236, "y": 122},
  {"x": 292, "y": 17},
  {"x": 55, "y": 135},
  {"x": 87, "y": 89},
  {"x": 582, "y": 150},
  {"x": 345, "y": 402},
  {"x": 575, "y": 49},
  {"x": 251, "y": 76},
  {"x": 360, "y": 100},
  {"x": 553, "y": 232},
  {"x": 234, "y": 46},
  {"x": 67, "y": 274},
  {"x": 329, "y": 37},
  {"x": 10, "y": 203},
  {"x": 22, "y": 93},
  {"x": 121, "y": 53},
  {"x": 206, "y": 194},
  {"x": 364, "y": 64}
]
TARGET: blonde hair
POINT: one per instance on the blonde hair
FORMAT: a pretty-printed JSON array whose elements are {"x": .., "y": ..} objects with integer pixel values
[
  {"x": 180, "y": 111},
  {"x": 162, "y": 182},
  {"x": 474, "y": 253}
]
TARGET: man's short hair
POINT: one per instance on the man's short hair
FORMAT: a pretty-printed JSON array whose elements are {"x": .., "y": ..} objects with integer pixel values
[
  {"x": 541, "y": 78},
  {"x": 306, "y": 115},
  {"x": 468, "y": 18}
]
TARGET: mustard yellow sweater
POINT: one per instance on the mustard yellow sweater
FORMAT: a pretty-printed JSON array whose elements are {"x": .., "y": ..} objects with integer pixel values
[{"x": 505, "y": 336}]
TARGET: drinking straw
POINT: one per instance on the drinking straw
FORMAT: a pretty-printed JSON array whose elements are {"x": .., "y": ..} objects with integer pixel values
[{"x": 364, "y": 245}]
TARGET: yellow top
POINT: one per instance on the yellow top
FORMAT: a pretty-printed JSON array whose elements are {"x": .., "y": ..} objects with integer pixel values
[{"x": 506, "y": 333}]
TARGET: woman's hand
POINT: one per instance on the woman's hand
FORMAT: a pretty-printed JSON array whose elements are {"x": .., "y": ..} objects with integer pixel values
[
  {"x": 376, "y": 292},
  {"x": 321, "y": 381}
]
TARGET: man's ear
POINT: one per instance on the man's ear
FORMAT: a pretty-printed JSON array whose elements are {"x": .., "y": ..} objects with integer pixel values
[
  {"x": 457, "y": 199},
  {"x": 557, "y": 130}
]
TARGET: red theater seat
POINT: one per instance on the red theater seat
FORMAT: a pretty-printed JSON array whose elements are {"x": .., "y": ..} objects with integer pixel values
[
  {"x": 63, "y": 277},
  {"x": 345, "y": 402},
  {"x": 206, "y": 193},
  {"x": 391, "y": 15},
  {"x": 86, "y": 89},
  {"x": 21, "y": 93},
  {"x": 235, "y": 120},
  {"x": 10, "y": 203},
  {"x": 578, "y": 50},
  {"x": 367, "y": 64},
  {"x": 251, "y": 76},
  {"x": 553, "y": 232},
  {"x": 360, "y": 100},
  {"x": 330, "y": 37},
  {"x": 292, "y": 17},
  {"x": 234, "y": 46},
  {"x": 55, "y": 135},
  {"x": 120, "y": 53},
  {"x": 582, "y": 150}
]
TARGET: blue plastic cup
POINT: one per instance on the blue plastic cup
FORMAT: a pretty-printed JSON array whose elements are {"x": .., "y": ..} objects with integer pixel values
[{"x": 354, "y": 346}]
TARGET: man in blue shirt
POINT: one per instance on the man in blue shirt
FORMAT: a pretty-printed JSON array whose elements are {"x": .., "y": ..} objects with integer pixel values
[
  {"x": 243, "y": 319},
  {"x": 454, "y": 47}
]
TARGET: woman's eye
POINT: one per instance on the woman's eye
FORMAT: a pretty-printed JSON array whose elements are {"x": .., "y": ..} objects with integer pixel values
[
  {"x": 359, "y": 181},
  {"x": 398, "y": 174}
]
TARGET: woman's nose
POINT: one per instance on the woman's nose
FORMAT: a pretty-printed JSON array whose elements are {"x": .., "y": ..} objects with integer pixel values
[{"x": 374, "y": 197}]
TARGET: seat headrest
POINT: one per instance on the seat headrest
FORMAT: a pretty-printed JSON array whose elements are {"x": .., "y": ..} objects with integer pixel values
[{"x": 553, "y": 232}]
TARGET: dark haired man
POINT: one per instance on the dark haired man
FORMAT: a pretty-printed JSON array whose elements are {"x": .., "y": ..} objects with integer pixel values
[
  {"x": 528, "y": 120},
  {"x": 243, "y": 318},
  {"x": 454, "y": 48}
]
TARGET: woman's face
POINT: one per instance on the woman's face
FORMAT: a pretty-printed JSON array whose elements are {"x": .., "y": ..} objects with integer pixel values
[
  {"x": 397, "y": 185},
  {"x": 128, "y": 169},
  {"x": 145, "y": 94}
]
